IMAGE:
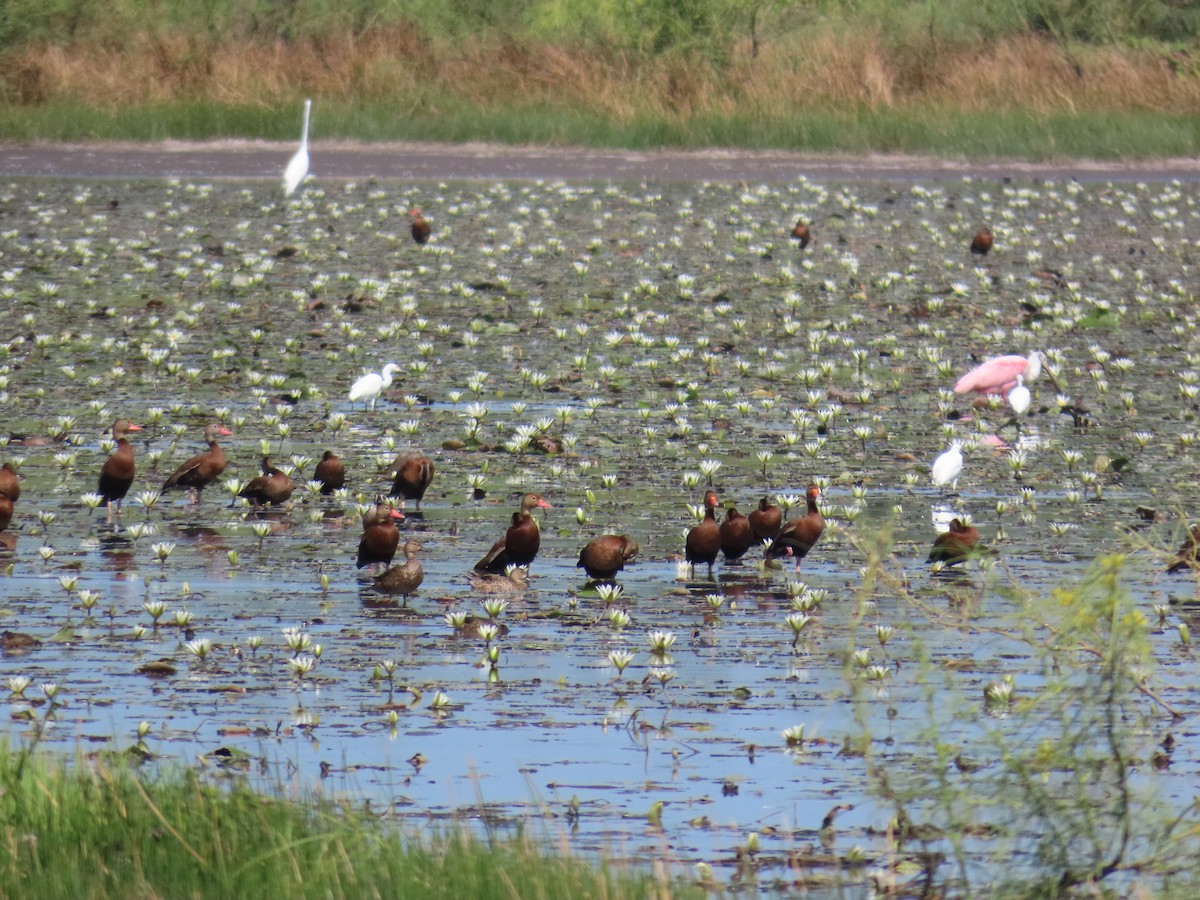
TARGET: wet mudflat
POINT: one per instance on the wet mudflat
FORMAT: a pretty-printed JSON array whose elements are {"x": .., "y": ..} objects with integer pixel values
[{"x": 617, "y": 348}]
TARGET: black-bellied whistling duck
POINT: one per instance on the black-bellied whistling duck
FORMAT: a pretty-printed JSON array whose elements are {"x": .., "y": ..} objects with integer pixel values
[
  {"x": 421, "y": 230},
  {"x": 116, "y": 475},
  {"x": 6, "y": 511},
  {"x": 405, "y": 578},
  {"x": 380, "y": 536},
  {"x": 801, "y": 235},
  {"x": 799, "y": 535},
  {"x": 1186, "y": 557},
  {"x": 954, "y": 546},
  {"x": 982, "y": 242},
  {"x": 607, "y": 555},
  {"x": 10, "y": 482},
  {"x": 766, "y": 521},
  {"x": 271, "y": 487},
  {"x": 736, "y": 535},
  {"x": 520, "y": 543},
  {"x": 414, "y": 471},
  {"x": 203, "y": 468},
  {"x": 331, "y": 472},
  {"x": 704, "y": 540}
]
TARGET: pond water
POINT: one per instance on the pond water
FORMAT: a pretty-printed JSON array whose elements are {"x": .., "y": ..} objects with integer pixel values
[{"x": 616, "y": 347}]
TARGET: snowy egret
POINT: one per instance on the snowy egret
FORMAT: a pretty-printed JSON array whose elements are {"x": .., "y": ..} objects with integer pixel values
[
  {"x": 948, "y": 466},
  {"x": 297, "y": 166},
  {"x": 1019, "y": 397},
  {"x": 370, "y": 386}
]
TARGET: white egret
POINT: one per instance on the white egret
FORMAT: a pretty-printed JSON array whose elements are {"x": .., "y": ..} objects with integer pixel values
[
  {"x": 297, "y": 166},
  {"x": 1019, "y": 397},
  {"x": 948, "y": 466},
  {"x": 369, "y": 387}
]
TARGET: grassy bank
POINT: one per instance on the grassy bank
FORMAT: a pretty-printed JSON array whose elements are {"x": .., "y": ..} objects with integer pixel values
[
  {"x": 95, "y": 830},
  {"x": 1020, "y": 79}
]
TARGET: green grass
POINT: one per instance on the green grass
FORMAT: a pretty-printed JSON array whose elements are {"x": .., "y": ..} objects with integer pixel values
[
  {"x": 972, "y": 135},
  {"x": 97, "y": 830}
]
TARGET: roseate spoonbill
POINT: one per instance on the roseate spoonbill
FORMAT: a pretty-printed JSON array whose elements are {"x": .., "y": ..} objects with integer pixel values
[
  {"x": 999, "y": 374},
  {"x": 370, "y": 386},
  {"x": 948, "y": 466},
  {"x": 521, "y": 541},
  {"x": 982, "y": 242},
  {"x": 297, "y": 166},
  {"x": 1019, "y": 397}
]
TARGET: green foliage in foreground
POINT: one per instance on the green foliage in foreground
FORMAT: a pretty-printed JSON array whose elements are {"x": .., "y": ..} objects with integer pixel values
[
  {"x": 97, "y": 830},
  {"x": 975, "y": 135}
]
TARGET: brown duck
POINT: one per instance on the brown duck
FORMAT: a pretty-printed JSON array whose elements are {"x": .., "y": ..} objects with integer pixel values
[
  {"x": 331, "y": 472},
  {"x": 514, "y": 581},
  {"x": 520, "y": 543},
  {"x": 800, "y": 535},
  {"x": 982, "y": 243},
  {"x": 801, "y": 235},
  {"x": 406, "y": 578},
  {"x": 954, "y": 546},
  {"x": 380, "y": 536},
  {"x": 421, "y": 230},
  {"x": 607, "y": 555},
  {"x": 704, "y": 540},
  {"x": 10, "y": 482},
  {"x": 414, "y": 472},
  {"x": 6, "y": 511},
  {"x": 766, "y": 521},
  {"x": 272, "y": 487},
  {"x": 736, "y": 535},
  {"x": 1186, "y": 557},
  {"x": 203, "y": 468},
  {"x": 116, "y": 475}
]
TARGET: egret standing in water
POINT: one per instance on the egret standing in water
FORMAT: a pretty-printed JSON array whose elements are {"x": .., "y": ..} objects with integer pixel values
[
  {"x": 948, "y": 466},
  {"x": 370, "y": 386},
  {"x": 1019, "y": 397},
  {"x": 297, "y": 166}
]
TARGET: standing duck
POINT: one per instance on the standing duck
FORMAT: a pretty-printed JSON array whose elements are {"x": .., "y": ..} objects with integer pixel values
[
  {"x": 421, "y": 230},
  {"x": 736, "y": 535},
  {"x": 406, "y": 578},
  {"x": 6, "y": 511},
  {"x": 271, "y": 487},
  {"x": 10, "y": 482},
  {"x": 1186, "y": 557},
  {"x": 203, "y": 468},
  {"x": 331, "y": 472},
  {"x": 954, "y": 546},
  {"x": 801, "y": 235},
  {"x": 704, "y": 540},
  {"x": 414, "y": 472},
  {"x": 607, "y": 555},
  {"x": 520, "y": 543},
  {"x": 116, "y": 475},
  {"x": 380, "y": 536},
  {"x": 982, "y": 242},
  {"x": 766, "y": 521},
  {"x": 800, "y": 535}
]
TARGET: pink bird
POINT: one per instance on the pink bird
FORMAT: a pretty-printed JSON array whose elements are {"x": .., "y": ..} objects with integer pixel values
[{"x": 999, "y": 374}]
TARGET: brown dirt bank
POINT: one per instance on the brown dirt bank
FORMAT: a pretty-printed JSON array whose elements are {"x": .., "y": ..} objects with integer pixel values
[{"x": 433, "y": 162}]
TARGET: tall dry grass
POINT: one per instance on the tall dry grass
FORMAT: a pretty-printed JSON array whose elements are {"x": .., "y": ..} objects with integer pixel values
[{"x": 804, "y": 72}]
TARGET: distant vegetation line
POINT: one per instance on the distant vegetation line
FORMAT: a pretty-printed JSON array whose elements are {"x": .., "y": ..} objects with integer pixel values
[{"x": 1052, "y": 77}]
